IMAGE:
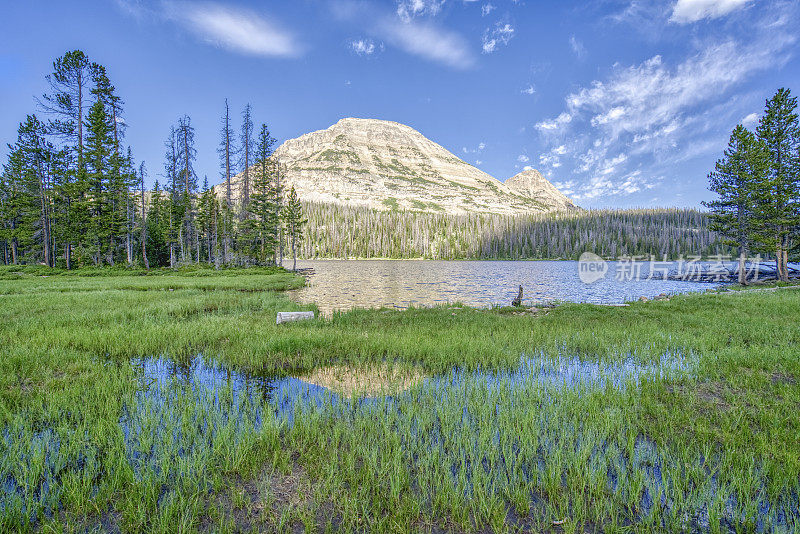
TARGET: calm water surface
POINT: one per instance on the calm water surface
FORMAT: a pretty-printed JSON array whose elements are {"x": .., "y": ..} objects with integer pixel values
[{"x": 346, "y": 284}]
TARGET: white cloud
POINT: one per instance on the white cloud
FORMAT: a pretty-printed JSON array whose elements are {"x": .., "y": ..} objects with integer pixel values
[
  {"x": 478, "y": 162},
  {"x": 237, "y": 29},
  {"x": 555, "y": 124},
  {"x": 528, "y": 90},
  {"x": 408, "y": 9},
  {"x": 654, "y": 114},
  {"x": 494, "y": 37},
  {"x": 577, "y": 47},
  {"x": 428, "y": 41},
  {"x": 686, "y": 11},
  {"x": 522, "y": 158},
  {"x": 481, "y": 146},
  {"x": 363, "y": 47},
  {"x": 487, "y": 8},
  {"x": 750, "y": 120},
  {"x": 651, "y": 96},
  {"x": 601, "y": 186}
]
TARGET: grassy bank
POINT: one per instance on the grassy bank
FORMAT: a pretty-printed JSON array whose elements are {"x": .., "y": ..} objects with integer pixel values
[{"x": 87, "y": 443}]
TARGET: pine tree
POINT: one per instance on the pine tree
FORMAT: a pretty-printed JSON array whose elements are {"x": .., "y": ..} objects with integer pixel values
[
  {"x": 734, "y": 180},
  {"x": 174, "y": 202},
  {"x": 226, "y": 151},
  {"x": 186, "y": 156},
  {"x": 262, "y": 208},
  {"x": 66, "y": 104},
  {"x": 778, "y": 194},
  {"x": 277, "y": 192},
  {"x": 294, "y": 221},
  {"x": 143, "y": 222},
  {"x": 19, "y": 201},
  {"x": 246, "y": 155},
  {"x": 158, "y": 228},
  {"x": 99, "y": 153},
  {"x": 207, "y": 216}
]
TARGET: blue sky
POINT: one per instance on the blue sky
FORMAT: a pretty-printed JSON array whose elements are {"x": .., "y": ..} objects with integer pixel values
[{"x": 620, "y": 103}]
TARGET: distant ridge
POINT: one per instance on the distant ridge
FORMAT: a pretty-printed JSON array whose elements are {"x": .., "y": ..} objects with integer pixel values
[{"x": 386, "y": 165}]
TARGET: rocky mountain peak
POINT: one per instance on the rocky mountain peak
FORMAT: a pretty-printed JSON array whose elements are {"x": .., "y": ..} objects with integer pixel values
[{"x": 390, "y": 166}]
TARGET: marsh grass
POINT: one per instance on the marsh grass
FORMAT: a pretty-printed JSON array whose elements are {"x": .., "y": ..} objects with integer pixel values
[{"x": 679, "y": 414}]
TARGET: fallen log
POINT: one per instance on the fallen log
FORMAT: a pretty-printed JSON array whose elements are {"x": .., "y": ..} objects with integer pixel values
[{"x": 287, "y": 317}]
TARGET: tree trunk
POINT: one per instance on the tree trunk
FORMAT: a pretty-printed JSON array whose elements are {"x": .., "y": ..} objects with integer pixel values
[
  {"x": 144, "y": 224},
  {"x": 785, "y": 265},
  {"x": 742, "y": 268},
  {"x": 294, "y": 253}
]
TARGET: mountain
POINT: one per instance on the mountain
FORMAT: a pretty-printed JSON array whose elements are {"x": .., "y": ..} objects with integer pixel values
[
  {"x": 532, "y": 184},
  {"x": 386, "y": 165}
]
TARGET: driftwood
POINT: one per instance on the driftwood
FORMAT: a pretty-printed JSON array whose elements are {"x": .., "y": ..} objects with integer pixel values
[
  {"x": 517, "y": 301},
  {"x": 286, "y": 317}
]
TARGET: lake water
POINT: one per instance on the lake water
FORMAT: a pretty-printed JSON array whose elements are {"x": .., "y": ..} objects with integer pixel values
[{"x": 346, "y": 284}]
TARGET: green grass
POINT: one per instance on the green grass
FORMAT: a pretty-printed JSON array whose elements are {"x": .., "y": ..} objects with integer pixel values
[{"x": 69, "y": 338}]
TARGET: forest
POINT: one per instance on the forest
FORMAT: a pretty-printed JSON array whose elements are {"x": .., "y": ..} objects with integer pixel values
[
  {"x": 352, "y": 232},
  {"x": 757, "y": 187},
  {"x": 72, "y": 194}
]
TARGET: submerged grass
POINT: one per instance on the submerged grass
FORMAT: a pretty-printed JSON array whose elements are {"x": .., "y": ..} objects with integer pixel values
[{"x": 676, "y": 415}]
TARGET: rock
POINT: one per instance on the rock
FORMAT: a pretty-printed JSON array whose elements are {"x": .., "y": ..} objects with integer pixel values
[
  {"x": 386, "y": 165},
  {"x": 643, "y": 299},
  {"x": 286, "y": 317}
]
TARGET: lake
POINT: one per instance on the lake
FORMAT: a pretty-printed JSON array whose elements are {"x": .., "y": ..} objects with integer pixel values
[{"x": 346, "y": 284}]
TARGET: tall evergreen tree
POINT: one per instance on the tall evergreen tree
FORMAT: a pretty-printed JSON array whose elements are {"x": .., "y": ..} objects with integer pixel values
[
  {"x": 294, "y": 221},
  {"x": 246, "y": 157},
  {"x": 99, "y": 153},
  {"x": 777, "y": 199},
  {"x": 278, "y": 201},
  {"x": 174, "y": 203},
  {"x": 66, "y": 103},
  {"x": 734, "y": 180},
  {"x": 186, "y": 156},
  {"x": 226, "y": 152},
  {"x": 143, "y": 222},
  {"x": 263, "y": 209}
]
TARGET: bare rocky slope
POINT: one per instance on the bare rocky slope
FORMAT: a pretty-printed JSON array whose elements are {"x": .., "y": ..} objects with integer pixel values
[{"x": 386, "y": 165}]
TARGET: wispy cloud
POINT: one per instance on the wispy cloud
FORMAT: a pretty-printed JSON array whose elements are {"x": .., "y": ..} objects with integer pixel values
[
  {"x": 408, "y": 9},
  {"x": 554, "y": 124},
  {"x": 646, "y": 114},
  {"x": 487, "y": 8},
  {"x": 686, "y": 11},
  {"x": 428, "y": 41},
  {"x": 236, "y": 29},
  {"x": 498, "y": 35},
  {"x": 365, "y": 47},
  {"x": 528, "y": 90},
  {"x": 577, "y": 47}
]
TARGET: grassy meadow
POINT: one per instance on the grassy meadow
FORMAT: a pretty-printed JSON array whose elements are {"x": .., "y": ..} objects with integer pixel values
[{"x": 679, "y": 414}]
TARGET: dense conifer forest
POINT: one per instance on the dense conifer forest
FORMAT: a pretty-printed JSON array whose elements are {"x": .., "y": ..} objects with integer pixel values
[{"x": 350, "y": 232}]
